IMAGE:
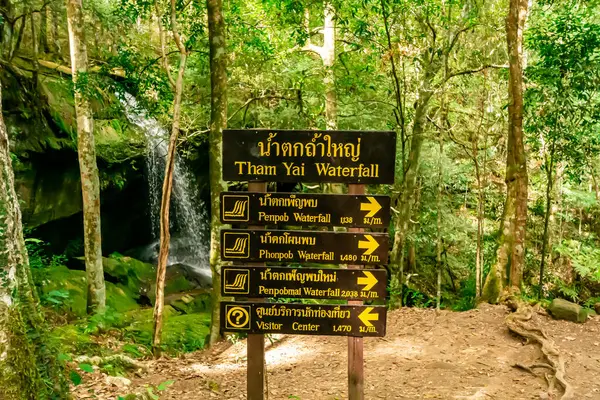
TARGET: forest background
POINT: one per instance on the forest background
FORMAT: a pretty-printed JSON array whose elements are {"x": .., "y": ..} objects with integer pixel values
[{"x": 483, "y": 203}]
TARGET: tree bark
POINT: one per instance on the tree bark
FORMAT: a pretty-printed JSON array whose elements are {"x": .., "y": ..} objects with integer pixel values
[
  {"x": 90, "y": 182},
  {"x": 43, "y": 43},
  {"x": 20, "y": 34},
  {"x": 34, "y": 40},
  {"x": 407, "y": 198},
  {"x": 326, "y": 53},
  {"x": 165, "y": 205},
  {"x": 55, "y": 42},
  {"x": 8, "y": 28},
  {"x": 218, "y": 122},
  {"x": 546, "y": 236},
  {"x": 25, "y": 365},
  {"x": 507, "y": 271},
  {"x": 328, "y": 56},
  {"x": 595, "y": 183},
  {"x": 438, "y": 258}
]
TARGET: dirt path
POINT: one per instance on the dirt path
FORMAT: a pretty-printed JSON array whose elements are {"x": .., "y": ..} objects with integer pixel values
[{"x": 425, "y": 355}]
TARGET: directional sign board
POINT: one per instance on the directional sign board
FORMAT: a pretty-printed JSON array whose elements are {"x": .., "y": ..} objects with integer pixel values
[
  {"x": 309, "y": 156},
  {"x": 305, "y": 246},
  {"x": 305, "y": 209},
  {"x": 303, "y": 319},
  {"x": 308, "y": 283}
]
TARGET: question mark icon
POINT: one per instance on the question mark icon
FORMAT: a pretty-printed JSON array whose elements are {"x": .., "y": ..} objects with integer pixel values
[{"x": 238, "y": 317}]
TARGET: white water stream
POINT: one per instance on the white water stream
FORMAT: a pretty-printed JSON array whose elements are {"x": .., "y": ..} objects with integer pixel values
[{"x": 190, "y": 239}]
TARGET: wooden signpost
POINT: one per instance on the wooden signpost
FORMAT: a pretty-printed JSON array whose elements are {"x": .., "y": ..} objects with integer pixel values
[
  {"x": 303, "y": 319},
  {"x": 309, "y": 156},
  {"x": 306, "y": 283},
  {"x": 353, "y": 157},
  {"x": 301, "y": 209},
  {"x": 304, "y": 246}
]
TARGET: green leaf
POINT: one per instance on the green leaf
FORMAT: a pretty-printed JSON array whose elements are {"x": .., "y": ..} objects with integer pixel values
[
  {"x": 86, "y": 367},
  {"x": 164, "y": 385},
  {"x": 151, "y": 394},
  {"x": 75, "y": 378},
  {"x": 64, "y": 357}
]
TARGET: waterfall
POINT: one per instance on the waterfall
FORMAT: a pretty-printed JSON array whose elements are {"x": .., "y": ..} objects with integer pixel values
[{"x": 190, "y": 241}]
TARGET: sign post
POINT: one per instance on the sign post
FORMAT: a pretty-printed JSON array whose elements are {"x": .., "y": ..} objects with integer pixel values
[
  {"x": 356, "y": 372},
  {"x": 255, "y": 344},
  {"x": 354, "y": 157}
]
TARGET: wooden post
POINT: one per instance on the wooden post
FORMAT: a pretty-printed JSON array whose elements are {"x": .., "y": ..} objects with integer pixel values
[
  {"x": 356, "y": 370},
  {"x": 255, "y": 374}
]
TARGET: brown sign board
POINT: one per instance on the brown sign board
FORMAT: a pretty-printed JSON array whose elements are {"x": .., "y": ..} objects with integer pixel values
[
  {"x": 305, "y": 209},
  {"x": 309, "y": 156},
  {"x": 321, "y": 247},
  {"x": 307, "y": 283},
  {"x": 303, "y": 319}
]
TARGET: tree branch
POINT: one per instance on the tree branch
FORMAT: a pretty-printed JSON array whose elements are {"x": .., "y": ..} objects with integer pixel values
[
  {"x": 161, "y": 34},
  {"x": 475, "y": 70},
  {"x": 249, "y": 101}
]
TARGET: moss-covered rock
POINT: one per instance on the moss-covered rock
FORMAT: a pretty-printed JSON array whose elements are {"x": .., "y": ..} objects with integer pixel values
[
  {"x": 190, "y": 302},
  {"x": 564, "y": 309},
  {"x": 136, "y": 275},
  {"x": 65, "y": 290}
]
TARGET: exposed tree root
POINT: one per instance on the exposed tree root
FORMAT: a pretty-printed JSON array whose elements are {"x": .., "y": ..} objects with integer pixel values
[{"x": 517, "y": 323}]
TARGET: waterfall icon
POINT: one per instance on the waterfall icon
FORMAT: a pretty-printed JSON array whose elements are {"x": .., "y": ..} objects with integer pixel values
[
  {"x": 235, "y": 208},
  {"x": 236, "y": 281},
  {"x": 236, "y": 245}
]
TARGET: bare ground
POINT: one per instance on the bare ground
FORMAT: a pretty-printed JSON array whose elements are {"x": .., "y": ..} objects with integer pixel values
[{"x": 425, "y": 355}]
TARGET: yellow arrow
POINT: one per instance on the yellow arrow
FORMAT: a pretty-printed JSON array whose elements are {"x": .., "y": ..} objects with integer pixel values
[
  {"x": 368, "y": 280},
  {"x": 372, "y": 206},
  {"x": 370, "y": 244},
  {"x": 366, "y": 318}
]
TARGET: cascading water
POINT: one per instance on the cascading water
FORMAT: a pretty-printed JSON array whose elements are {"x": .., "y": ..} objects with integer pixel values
[{"x": 190, "y": 242}]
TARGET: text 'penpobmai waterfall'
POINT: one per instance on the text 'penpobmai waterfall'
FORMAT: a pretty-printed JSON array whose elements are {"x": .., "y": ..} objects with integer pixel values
[{"x": 190, "y": 239}]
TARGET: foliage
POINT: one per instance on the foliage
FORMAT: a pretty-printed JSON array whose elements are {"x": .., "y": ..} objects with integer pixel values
[{"x": 585, "y": 259}]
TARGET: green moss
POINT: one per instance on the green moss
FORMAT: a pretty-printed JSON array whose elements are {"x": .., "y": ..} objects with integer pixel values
[
  {"x": 492, "y": 288},
  {"x": 74, "y": 340},
  {"x": 192, "y": 303},
  {"x": 20, "y": 379},
  {"x": 181, "y": 333},
  {"x": 116, "y": 140},
  {"x": 60, "y": 279},
  {"x": 136, "y": 275},
  {"x": 32, "y": 369}
]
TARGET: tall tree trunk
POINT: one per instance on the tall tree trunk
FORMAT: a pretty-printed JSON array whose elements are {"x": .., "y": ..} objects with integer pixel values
[
  {"x": 43, "y": 43},
  {"x": 326, "y": 53},
  {"x": 34, "y": 41},
  {"x": 407, "y": 198},
  {"x": 90, "y": 182},
  {"x": 546, "y": 236},
  {"x": 8, "y": 27},
  {"x": 218, "y": 122},
  {"x": 165, "y": 207},
  {"x": 27, "y": 370},
  {"x": 480, "y": 215},
  {"x": 438, "y": 257},
  {"x": 165, "y": 204},
  {"x": 55, "y": 41},
  {"x": 328, "y": 56},
  {"x": 595, "y": 183},
  {"x": 507, "y": 271},
  {"x": 20, "y": 34}
]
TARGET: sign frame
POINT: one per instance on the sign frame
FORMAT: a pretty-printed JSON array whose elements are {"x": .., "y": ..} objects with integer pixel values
[
  {"x": 304, "y": 209},
  {"x": 304, "y": 319},
  {"x": 278, "y": 155},
  {"x": 244, "y": 245},
  {"x": 303, "y": 283}
]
